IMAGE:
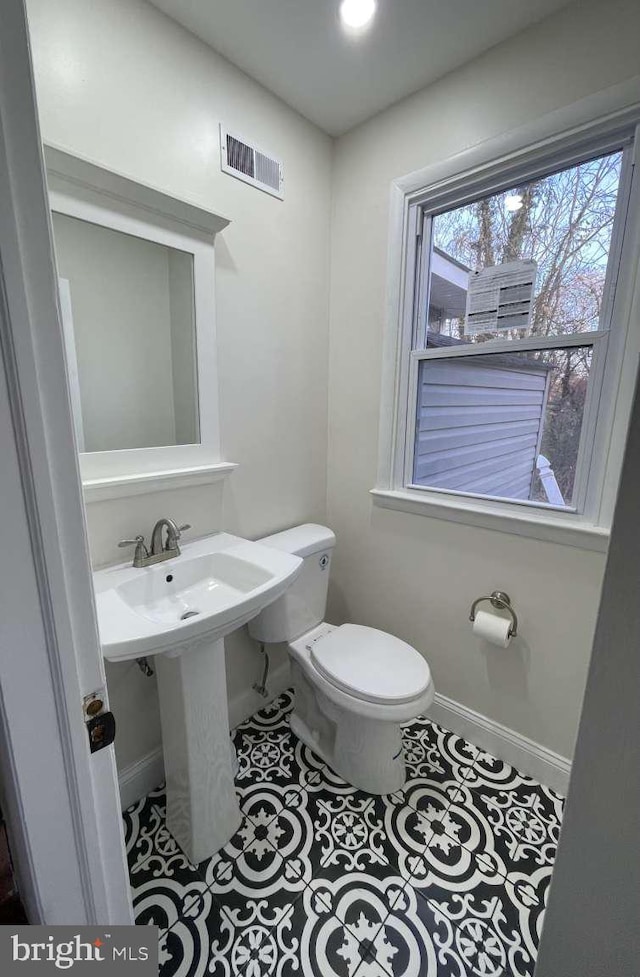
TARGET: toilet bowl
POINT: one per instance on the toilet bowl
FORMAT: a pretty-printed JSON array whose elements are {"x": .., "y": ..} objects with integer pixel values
[{"x": 354, "y": 685}]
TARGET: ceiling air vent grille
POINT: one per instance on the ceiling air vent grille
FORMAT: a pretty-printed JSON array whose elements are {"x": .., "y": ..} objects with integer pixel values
[{"x": 248, "y": 163}]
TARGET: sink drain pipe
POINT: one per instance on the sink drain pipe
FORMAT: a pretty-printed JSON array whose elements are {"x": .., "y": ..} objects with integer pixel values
[{"x": 261, "y": 687}]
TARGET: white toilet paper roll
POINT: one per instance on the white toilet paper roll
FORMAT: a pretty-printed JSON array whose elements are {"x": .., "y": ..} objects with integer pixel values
[{"x": 492, "y": 628}]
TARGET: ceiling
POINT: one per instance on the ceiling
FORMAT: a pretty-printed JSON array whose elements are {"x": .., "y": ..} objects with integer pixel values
[{"x": 297, "y": 49}]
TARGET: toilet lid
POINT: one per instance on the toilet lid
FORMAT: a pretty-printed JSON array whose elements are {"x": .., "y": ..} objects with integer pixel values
[{"x": 371, "y": 664}]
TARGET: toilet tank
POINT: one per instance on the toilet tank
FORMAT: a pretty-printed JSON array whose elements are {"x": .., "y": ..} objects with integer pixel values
[{"x": 303, "y": 605}]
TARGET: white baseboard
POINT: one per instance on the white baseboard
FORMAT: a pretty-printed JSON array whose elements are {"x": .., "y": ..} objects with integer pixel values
[
  {"x": 140, "y": 777},
  {"x": 543, "y": 765}
]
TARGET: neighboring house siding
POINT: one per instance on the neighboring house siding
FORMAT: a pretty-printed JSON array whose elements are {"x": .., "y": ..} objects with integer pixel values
[{"x": 479, "y": 428}]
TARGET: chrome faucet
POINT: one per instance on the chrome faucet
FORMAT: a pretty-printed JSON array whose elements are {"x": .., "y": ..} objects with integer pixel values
[{"x": 159, "y": 551}]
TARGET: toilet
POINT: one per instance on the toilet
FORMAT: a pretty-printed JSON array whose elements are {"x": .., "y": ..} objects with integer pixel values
[{"x": 354, "y": 685}]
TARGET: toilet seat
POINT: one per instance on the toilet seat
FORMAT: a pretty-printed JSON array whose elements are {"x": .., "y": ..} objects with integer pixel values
[{"x": 370, "y": 664}]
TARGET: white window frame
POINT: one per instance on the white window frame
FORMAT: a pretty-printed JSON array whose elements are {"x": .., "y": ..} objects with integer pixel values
[{"x": 595, "y": 126}]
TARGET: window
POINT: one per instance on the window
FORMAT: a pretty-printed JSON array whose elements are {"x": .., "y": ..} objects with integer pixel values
[
  {"x": 506, "y": 425},
  {"x": 512, "y": 338}
]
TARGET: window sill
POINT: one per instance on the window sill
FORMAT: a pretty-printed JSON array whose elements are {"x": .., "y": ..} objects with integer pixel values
[{"x": 535, "y": 524}]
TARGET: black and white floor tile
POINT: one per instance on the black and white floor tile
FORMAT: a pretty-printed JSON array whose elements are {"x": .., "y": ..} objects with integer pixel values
[{"x": 447, "y": 877}]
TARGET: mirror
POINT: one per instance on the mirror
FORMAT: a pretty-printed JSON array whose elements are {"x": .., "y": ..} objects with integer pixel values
[{"x": 128, "y": 314}]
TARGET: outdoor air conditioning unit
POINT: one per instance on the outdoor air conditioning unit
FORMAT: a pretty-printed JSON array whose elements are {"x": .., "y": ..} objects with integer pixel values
[{"x": 246, "y": 162}]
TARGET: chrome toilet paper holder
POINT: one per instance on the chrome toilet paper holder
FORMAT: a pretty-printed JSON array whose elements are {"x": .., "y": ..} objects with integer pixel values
[{"x": 502, "y": 602}]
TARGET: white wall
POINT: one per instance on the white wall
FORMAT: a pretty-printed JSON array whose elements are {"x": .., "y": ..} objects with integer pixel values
[
  {"x": 413, "y": 575},
  {"x": 123, "y": 85}
]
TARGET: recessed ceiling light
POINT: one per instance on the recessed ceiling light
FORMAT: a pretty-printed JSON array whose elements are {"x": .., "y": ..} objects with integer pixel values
[
  {"x": 356, "y": 14},
  {"x": 513, "y": 201}
]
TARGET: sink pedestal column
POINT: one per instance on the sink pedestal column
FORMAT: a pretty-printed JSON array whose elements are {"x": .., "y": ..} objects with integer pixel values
[{"x": 202, "y": 807}]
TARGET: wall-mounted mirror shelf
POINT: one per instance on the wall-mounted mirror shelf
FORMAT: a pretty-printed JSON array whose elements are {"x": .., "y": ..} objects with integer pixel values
[{"x": 136, "y": 272}]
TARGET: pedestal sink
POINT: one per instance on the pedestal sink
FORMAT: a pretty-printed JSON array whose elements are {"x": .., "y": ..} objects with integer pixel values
[{"x": 180, "y": 610}]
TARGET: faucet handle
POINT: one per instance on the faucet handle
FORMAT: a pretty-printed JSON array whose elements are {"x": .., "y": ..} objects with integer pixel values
[
  {"x": 131, "y": 542},
  {"x": 173, "y": 535},
  {"x": 141, "y": 554}
]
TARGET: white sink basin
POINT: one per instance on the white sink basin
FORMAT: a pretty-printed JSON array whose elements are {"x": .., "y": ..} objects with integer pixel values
[
  {"x": 180, "y": 610},
  {"x": 216, "y": 584}
]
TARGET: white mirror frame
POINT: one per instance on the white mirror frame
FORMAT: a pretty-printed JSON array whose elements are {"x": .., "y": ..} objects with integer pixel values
[{"x": 82, "y": 189}]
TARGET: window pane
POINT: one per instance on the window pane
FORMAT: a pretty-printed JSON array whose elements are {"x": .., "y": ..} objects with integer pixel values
[
  {"x": 556, "y": 230},
  {"x": 505, "y": 425}
]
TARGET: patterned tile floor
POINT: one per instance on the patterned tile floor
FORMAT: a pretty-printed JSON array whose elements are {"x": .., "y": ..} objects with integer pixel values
[{"x": 446, "y": 878}]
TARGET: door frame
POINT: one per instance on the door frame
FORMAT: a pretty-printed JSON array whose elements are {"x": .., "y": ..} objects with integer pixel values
[
  {"x": 61, "y": 802},
  {"x": 591, "y": 923}
]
